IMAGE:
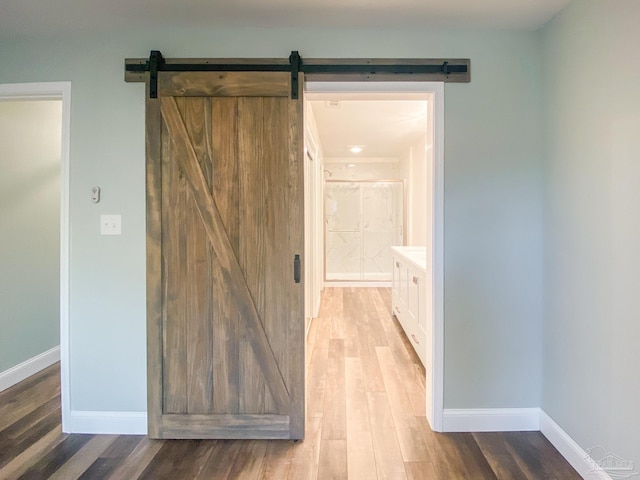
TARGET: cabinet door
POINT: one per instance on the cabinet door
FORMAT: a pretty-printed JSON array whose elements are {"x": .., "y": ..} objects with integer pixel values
[
  {"x": 395, "y": 285},
  {"x": 416, "y": 312}
]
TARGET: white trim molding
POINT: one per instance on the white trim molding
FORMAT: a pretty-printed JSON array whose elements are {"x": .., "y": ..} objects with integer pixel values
[
  {"x": 570, "y": 450},
  {"x": 29, "y": 367},
  {"x": 491, "y": 419},
  {"x": 114, "y": 423},
  {"x": 56, "y": 91}
]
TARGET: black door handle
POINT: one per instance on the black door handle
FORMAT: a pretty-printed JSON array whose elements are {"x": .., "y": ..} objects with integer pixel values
[{"x": 296, "y": 268}]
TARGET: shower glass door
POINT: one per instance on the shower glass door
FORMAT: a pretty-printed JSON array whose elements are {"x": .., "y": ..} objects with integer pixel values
[{"x": 362, "y": 220}]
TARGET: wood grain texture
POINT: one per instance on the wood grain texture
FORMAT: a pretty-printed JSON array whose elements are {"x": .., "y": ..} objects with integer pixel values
[
  {"x": 360, "y": 453},
  {"x": 371, "y": 449},
  {"x": 334, "y": 408},
  {"x": 154, "y": 284},
  {"x": 252, "y": 243},
  {"x": 221, "y": 244},
  {"x": 226, "y": 194},
  {"x": 229, "y": 185},
  {"x": 294, "y": 218},
  {"x": 224, "y": 84}
]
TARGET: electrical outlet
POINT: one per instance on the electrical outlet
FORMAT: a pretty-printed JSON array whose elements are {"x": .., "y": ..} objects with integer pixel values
[{"x": 110, "y": 225}]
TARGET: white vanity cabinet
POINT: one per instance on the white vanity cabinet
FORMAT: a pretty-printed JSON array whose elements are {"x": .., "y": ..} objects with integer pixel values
[{"x": 409, "y": 297}]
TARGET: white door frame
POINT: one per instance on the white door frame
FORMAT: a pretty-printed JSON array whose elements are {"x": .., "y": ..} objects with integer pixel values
[
  {"x": 56, "y": 91},
  {"x": 435, "y": 416}
]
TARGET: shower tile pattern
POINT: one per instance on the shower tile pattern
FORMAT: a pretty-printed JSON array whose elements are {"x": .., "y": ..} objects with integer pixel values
[{"x": 363, "y": 219}]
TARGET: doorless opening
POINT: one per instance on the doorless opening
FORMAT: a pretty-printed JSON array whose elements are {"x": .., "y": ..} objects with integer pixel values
[
  {"x": 48, "y": 183},
  {"x": 432, "y": 211}
]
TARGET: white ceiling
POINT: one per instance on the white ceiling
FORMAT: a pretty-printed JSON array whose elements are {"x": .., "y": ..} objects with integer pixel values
[
  {"x": 55, "y": 16},
  {"x": 383, "y": 128}
]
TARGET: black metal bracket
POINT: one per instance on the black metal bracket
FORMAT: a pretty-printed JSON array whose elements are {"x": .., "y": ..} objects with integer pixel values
[
  {"x": 156, "y": 62},
  {"x": 296, "y": 63}
]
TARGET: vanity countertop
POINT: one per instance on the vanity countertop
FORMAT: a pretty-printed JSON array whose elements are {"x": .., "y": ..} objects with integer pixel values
[{"x": 417, "y": 256}]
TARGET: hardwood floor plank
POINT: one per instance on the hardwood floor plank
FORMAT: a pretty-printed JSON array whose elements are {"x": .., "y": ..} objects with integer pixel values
[
  {"x": 19, "y": 435},
  {"x": 221, "y": 459},
  {"x": 138, "y": 460},
  {"x": 334, "y": 409},
  {"x": 420, "y": 471},
  {"x": 350, "y": 313},
  {"x": 249, "y": 463},
  {"x": 35, "y": 381},
  {"x": 333, "y": 460},
  {"x": 498, "y": 456},
  {"x": 337, "y": 316},
  {"x": 16, "y": 467},
  {"x": 360, "y": 455},
  {"x": 410, "y": 438},
  {"x": 84, "y": 458},
  {"x": 111, "y": 458},
  {"x": 47, "y": 465},
  {"x": 14, "y": 408},
  {"x": 277, "y": 460},
  {"x": 306, "y": 454},
  {"x": 389, "y": 463}
]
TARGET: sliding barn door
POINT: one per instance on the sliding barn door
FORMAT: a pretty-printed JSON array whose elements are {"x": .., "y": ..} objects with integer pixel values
[{"x": 224, "y": 245}]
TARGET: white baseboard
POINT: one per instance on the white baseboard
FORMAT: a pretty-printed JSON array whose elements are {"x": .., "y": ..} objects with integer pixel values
[
  {"x": 117, "y": 423},
  {"x": 491, "y": 419},
  {"x": 24, "y": 370},
  {"x": 570, "y": 450}
]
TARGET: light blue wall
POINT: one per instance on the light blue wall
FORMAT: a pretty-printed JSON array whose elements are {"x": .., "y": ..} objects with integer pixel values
[
  {"x": 493, "y": 220},
  {"x": 30, "y": 141},
  {"x": 592, "y": 224}
]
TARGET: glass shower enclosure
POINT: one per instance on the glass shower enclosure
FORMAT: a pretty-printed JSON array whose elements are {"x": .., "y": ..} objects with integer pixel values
[{"x": 362, "y": 220}]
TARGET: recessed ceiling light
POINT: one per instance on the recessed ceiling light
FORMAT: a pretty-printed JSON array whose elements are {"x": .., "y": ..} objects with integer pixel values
[
  {"x": 355, "y": 149},
  {"x": 351, "y": 165}
]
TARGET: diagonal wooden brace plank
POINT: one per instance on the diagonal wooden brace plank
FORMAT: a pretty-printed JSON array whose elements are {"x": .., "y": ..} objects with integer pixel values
[{"x": 217, "y": 234}]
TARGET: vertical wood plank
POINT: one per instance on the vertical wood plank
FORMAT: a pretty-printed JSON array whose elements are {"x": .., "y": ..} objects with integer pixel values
[
  {"x": 153, "y": 166},
  {"x": 174, "y": 206},
  {"x": 296, "y": 318},
  {"x": 233, "y": 272},
  {"x": 277, "y": 265},
  {"x": 199, "y": 328},
  {"x": 252, "y": 250},
  {"x": 225, "y": 190},
  {"x": 196, "y": 113}
]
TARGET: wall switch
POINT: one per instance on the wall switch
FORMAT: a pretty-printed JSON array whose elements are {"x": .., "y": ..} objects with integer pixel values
[{"x": 110, "y": 225}]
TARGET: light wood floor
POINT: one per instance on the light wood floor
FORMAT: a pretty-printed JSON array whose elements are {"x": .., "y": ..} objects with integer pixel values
[{"x": 365, "y": 420}]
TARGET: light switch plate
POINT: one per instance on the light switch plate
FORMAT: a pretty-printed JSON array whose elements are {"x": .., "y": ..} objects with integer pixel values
[{"x": 110, "y": 225}]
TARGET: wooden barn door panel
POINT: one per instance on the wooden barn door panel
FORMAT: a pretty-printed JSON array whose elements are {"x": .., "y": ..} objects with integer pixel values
[{"x": 225, "y": 317}]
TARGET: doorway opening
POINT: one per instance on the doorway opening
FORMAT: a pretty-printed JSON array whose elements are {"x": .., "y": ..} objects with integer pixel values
[
  {"x": 374, "y": 180},
  {"x": 35, "y": 189}
]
